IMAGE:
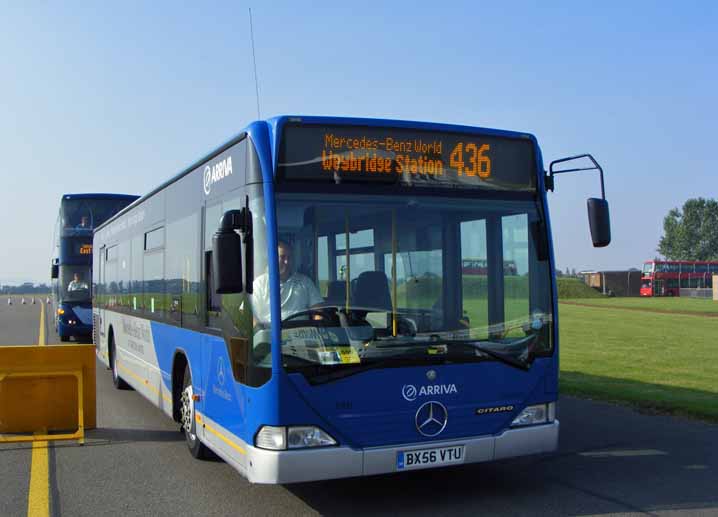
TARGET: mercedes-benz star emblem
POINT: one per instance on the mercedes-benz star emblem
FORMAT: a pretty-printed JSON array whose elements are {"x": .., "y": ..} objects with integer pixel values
[
  {"x": 431, "y": 375},
  {"x": 431, "y": 418},
  {"x": 220, "y": 371}
]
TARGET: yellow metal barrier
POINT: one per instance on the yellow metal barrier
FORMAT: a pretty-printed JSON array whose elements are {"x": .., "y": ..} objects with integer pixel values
[{"x": 48, "y": 388}]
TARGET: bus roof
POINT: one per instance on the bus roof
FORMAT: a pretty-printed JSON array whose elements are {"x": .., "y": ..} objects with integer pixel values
[
  {"x": 279, "y": 121},
  {"x": 99, "y": 195},
  {"x": 681, "y": 262}
]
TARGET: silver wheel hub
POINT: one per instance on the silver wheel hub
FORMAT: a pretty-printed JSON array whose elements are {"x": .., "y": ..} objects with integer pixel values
[{"x": 188, "y": 412}]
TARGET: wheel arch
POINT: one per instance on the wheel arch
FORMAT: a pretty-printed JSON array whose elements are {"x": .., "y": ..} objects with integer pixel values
[
  {"x": 110, "y": 342},
  {"x": 179, "y": 363}
]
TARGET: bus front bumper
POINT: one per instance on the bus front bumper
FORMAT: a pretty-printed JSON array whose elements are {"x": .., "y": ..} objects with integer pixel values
[
  {"x": 76, "y": 329},
  {"x": 338, "y": 462}
]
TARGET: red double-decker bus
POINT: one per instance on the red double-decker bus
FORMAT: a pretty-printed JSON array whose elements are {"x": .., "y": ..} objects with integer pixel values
[{"x": 667, "y": 277}]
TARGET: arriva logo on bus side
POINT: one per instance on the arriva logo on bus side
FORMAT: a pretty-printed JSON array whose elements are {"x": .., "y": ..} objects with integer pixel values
[
  {"x": 411, "y": 392},
  {"x": 216, "y": 172}
]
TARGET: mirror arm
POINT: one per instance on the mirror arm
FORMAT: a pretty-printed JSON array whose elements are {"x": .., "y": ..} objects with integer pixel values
[{"x": 549, "y": 181}]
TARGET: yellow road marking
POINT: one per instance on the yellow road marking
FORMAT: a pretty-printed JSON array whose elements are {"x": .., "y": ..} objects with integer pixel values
[
  {"x": 38, "y": 497},
  {"x": 41, "y": 338}
]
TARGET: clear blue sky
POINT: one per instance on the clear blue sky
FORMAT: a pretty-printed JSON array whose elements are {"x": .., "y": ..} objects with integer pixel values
[{"x": 119, "y": 98}]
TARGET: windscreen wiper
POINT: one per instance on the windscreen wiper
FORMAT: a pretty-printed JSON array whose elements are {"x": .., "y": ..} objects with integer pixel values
[
  {"x": 479, "y": 347},
  {"x": 398, "y": 341}
]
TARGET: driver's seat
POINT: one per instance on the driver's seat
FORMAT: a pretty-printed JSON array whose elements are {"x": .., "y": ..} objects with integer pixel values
[{"x": 372, "y": 290}]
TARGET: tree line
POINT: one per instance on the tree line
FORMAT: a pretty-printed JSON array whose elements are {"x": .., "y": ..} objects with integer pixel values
[
  {"x": 691, "y": 232},
  {"x": 26, "y": 288}
]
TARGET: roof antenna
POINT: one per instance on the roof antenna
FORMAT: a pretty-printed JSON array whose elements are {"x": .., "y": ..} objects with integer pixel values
[{"x": 254, "y": 60}]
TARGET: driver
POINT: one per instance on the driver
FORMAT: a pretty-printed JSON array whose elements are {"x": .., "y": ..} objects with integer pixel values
[
  {"x": 296, "y": 291},
  {"x": 76, "y": 284}
]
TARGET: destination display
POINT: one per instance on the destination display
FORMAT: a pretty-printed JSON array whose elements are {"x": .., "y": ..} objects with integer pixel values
[
  {"x": 409, "y": 157},
  {"x": 76, "y": 247}
]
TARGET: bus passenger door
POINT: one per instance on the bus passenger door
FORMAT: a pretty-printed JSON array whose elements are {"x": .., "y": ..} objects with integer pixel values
[
  {"x": 658, "y": 287},
  {"x": 212, "y": 368},
  {"x": 224, "y": 395}
]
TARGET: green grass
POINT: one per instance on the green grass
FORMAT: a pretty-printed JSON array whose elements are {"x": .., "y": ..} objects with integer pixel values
[
  {"x": 575, "y": 288},
  {"x": 665, "y": 362},
  {"x": 693, "y": 305}
]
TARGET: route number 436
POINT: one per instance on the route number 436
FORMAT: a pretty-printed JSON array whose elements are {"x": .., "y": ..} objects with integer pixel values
[{"x": 470, "y": 159}]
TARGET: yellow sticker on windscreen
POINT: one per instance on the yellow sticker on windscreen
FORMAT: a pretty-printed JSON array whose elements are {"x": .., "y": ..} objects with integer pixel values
[{"x": 348, "y": 355}]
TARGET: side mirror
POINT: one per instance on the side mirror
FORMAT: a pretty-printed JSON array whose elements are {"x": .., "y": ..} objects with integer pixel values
[
  {"x": 54, "y": 271},
  {"x": 599, "y": 221},
  {"x": 597, "y": 208},
  {"x": 227, "y": 255}
]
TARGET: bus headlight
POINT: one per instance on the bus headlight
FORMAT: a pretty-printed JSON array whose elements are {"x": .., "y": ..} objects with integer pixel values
[
  {"x": 299, "y": 437},
  {"x": 538, "y": 414},
  {"x": 308, "y": 436}
]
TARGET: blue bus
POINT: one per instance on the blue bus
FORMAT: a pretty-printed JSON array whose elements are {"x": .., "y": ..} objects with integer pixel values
[
  {"x": 70, "y": 271},
  {"x": 296, "y": 300}
]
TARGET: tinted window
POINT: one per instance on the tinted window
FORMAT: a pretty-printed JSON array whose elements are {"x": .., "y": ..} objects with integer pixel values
[
  {"x": 89, "y": 213},
  {"x": 154, "y": 282},
  {"x": 137, "y": 255},
  {"x": 155, "y": 239}
]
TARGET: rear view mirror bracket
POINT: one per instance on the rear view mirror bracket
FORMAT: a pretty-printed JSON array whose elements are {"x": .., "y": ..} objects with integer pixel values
[
  {"x": 549, "y": 181},
  {"x": 598, "y": 215}
]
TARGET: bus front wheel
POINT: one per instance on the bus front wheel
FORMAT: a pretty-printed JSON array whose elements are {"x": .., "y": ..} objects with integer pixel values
[{"x": 189, "y": 425}]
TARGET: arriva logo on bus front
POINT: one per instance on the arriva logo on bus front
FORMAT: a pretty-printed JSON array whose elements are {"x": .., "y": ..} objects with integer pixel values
[
  {"x": 216, "y": 172},
  {"x": 411, "y": 392}
]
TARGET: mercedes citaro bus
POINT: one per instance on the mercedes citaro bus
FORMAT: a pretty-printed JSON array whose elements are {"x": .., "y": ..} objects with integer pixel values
[{"x": 296, "y": 299}]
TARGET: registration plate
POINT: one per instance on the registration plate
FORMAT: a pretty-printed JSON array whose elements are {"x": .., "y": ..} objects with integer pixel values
[{"x": 425, "y": 458}]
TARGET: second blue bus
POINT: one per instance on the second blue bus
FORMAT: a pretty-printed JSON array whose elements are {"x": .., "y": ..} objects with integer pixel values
[{"x": 71, "y": 272}]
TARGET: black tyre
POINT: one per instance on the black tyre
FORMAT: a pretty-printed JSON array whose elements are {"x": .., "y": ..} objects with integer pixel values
[
  {"x": 119, "y": 383},
  {"x": 187, "y": 419},
  {"x": 64, "y": 339}
]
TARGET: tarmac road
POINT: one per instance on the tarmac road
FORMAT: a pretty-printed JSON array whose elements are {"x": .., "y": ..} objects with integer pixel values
[
  {"x": 20, "y": 324},
  {"x": 612, "y": 460}
]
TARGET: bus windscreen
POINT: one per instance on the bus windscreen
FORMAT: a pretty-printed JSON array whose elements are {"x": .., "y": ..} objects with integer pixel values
[{"x": 408, "y": 157}]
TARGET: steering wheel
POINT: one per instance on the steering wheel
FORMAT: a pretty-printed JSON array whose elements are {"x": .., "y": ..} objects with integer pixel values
[{"x": 324, "y": 311}]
